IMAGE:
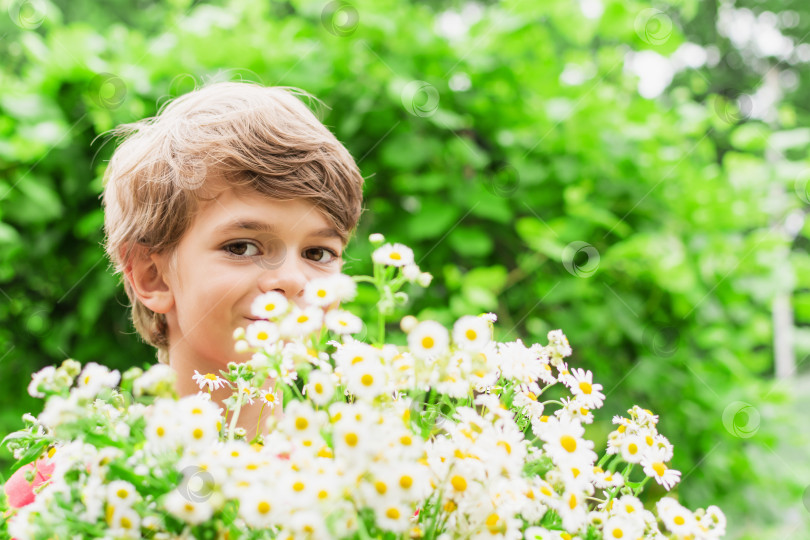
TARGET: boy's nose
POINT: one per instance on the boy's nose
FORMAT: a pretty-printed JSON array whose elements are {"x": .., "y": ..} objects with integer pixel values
[{"x": 283, "y": 275}]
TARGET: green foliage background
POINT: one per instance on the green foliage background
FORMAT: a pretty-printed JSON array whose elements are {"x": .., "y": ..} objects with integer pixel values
[{"x": 517, "y": 158}]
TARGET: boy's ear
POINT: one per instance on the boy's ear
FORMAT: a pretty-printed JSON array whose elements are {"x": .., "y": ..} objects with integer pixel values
[{"x": 146, "y": 275}]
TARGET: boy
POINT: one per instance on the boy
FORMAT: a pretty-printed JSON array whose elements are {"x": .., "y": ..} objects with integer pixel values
[{"x": 230, "y": 191}]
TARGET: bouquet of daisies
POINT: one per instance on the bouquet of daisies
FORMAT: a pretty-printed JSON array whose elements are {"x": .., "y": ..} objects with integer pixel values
[{"x": 449, "y": 434}]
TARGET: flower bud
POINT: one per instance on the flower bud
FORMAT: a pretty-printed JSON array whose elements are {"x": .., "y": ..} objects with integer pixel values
[
  {"x": 239, "y": 333},
  {"x": 408, "y": 323},
  {"x": 241, "y": 346},
  {"x": 376, "y": 239},
  {"x": 424, "y": 279},
  {"x": 411, "y": 272}
]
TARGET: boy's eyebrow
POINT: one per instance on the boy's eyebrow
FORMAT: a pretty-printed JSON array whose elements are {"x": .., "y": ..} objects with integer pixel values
[{"x": 261, "y": 226}]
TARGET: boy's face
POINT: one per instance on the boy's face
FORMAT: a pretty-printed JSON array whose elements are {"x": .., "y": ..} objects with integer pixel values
[{"x": 239, "y": 245}]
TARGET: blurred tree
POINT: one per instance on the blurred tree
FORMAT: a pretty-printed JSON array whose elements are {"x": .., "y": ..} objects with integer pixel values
[{"x": 621, "y": 170}]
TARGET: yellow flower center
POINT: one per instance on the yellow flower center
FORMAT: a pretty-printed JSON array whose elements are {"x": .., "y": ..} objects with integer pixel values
[
  {"x": 617, "y": 533},
  {"x": 367, "y": 380},
  {"x": 458, "y": 483},
  {"x": 160, "y": 432},
  {"x": 302, "y": 318},
  {"x": 298, "y": 486},
  {"x": 471, "y": 334},
  {"x": 659, "y": 468},
  {"x": 263, "y": 507},
  {"x": 585, "y": 387},
  {"x": 392, "y": 513},
  {"x": 301, "y": 423},
  {"x": 210, "y": 376},
  {"x": 321, "y": 293},
  {"x": 351, "y": 439},
  {"x": 198, "y": 433},
  {"x": 380, "y": 487},
  {"x": 427, "y": 342},
  {"x": 568, "y": 443},
  {"x": 632, "y": 448},
  {"x": 318, "y": 388},
  {"x": 679, "y": 520},
  {"x": 572, "y": 501},
  {"x": 395, "y": 256},
  {"x": 405, "y": 482}
]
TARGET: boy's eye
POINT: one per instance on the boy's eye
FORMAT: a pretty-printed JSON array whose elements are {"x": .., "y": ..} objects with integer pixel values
[
  {"x": 243, "y": 249},
  {"x": 321, "y": 255}
]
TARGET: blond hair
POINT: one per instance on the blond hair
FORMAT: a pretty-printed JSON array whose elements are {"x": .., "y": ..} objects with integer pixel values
[{"x": 260, "y": 138}]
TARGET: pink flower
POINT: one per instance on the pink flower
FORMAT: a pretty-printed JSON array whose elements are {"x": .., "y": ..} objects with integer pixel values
[{"x": 21, "y": 493}]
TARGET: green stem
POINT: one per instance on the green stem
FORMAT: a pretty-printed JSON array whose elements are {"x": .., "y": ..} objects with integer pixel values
[
  {"x": 232, "y": 427},
  {"x": 638, "y": 490},
  {"x": 261, "y": 410}
]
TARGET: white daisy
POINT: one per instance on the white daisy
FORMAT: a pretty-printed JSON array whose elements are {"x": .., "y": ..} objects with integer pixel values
[
  {"x": 393, "y": 515},
  {"x": 302, "y": 322},
  {"x": 366, "y": 380},
  {"x": 471, "y": 333},
  {"x": 631, "y": 449},
  {"x": 210, "y": 380},
  {"x": 585, "y": 390},
  {"x": 269, "y": 305},
  {"x": 714, "y": 520},
  {"x": 558, "y": 343},
  {"x": 573, "y": 510},
  {"x": 343, "y": 322},
  {"x": 565, "y": 445},
  {"x": 270, "y": 398},
  {"x": 320, "y": 292},
  {"x": 262, "y": 333},
  {"x": 354, "y": 352},
  {"x": 428, "y": 340},
  {"x": 124, "y": 523},
  {"x": 622, "y": 526},
  {"x": 676, "y": 518},
  {"x": 259, "y": 508},
  {"x": 94, "y": 377},
  {"x": 191, "y": 512},
  {"x": 246, "y": 391},
  {"x": 661, "y": 473},
  {"x": 393, "y": 255},
  {"x": 121, "y": 493},
  {"x": 320, "y": 387}
]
